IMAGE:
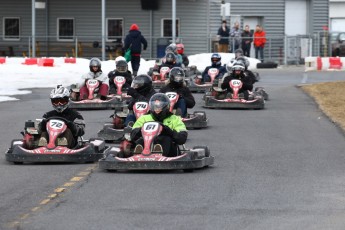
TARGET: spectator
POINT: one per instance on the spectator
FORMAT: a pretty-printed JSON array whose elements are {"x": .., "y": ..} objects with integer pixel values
[
  {"x": 259, "y": 42},
  {"x": 235, "y": 35},
  {"x": 223, "y": 33},
  {"x": 133, "y": 40},
  {"x": 247, "y": 39}
]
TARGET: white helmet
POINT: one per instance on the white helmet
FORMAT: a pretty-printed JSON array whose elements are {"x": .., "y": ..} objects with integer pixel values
[
  {"x": 230, "y": 65},
  {"x": 119, "y": 58},
  {"x": 60, "y": 98}
]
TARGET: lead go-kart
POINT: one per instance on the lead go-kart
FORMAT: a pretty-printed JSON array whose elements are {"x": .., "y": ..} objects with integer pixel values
[
  {"x": 114, "y": 132},
  {"x": 196, "y": 120},
  {"x": 221, "y": 99},
  {"x": 93, "y": 101},
  {"x": 30, "y": 150},
  {"x": 186, "y": 160}
]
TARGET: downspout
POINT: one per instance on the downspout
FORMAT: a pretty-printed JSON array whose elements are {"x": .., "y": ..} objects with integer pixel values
[
  {"x": 151, "y": 33},
  {"x": 33, "y": 28}
]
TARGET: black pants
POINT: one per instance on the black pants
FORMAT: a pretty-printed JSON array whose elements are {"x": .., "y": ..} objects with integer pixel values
[
  {"x": 170, "y": 148},
  {"x": 246, "y": 49},
  {"x": 135, "y": 61}
]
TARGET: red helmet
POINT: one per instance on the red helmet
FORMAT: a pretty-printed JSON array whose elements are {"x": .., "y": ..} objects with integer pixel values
[{"x": 180, "y": 48}]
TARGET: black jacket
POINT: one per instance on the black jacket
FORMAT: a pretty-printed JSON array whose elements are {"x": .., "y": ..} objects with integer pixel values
[
  {"x": 143, "y": 96},
  {"x": 185, "y": 60},
  {"x": 70, "y": 115},
  {"x": 113, "y": 74},
  {"x": 247, "y": 36},
  {"x": 224, "y": 35},
  {"x": 183, "y": 92},
  {"x": 135, "y": 39},
  {"x": 247, "y": 83}
]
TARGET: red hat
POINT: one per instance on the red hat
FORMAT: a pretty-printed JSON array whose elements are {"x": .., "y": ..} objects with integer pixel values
[{"x": 134, "y": 27}]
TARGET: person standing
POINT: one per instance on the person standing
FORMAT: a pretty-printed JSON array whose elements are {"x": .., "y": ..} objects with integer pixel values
[
  {"x": 247, "y": 39},
  {"x": 223, "y": 33},
  {"x": 235, "y": 35},
  {"x": 259, "y": 42},
  {"x": 133, "y": 40}
]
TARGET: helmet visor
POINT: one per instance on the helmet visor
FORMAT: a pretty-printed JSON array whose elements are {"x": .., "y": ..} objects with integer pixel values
[
  {"x": 137, "y": 83},
  {"x": 215, "y": 60},
  {"x": 60, "y": 101},
  {"x": 178, "y": 78}
]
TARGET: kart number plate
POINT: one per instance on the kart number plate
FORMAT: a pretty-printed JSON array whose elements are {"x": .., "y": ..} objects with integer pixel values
[
  {"x": 56, "y": 124},
  {"x": 171, "y": 95},
  {"x": 151, "y": 127},
  {"x": 213, "y": 71},
  {"x": 92, "y": 82},
  {"x": 120, "y": 79},
  {"x": 141, "y": 106}
]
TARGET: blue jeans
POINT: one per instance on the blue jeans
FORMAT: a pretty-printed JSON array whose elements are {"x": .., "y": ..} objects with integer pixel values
[
  {"x": 181, "y": 104},
  {"x": 259, "y": 50},
  {"x": 130, "y": 117}
]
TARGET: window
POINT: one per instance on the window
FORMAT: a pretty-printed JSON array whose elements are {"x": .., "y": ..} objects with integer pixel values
[
  {"x": 11, "y": 28},
  {"x": 114, "y": 29},
  {"x": 65, "y": 29},
  {"x": 167, "y": 27}
]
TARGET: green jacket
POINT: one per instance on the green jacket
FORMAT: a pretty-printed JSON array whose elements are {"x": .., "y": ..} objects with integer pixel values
[{"x": 174, "y": 122}]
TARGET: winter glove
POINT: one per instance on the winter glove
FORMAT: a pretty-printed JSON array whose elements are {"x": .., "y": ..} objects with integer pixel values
[
  {"x": 136, "y": 134},
  {"x": 132, "y": 92},
  {"x": 166, "y": 131},
  {"x": 73, "y": 127}
]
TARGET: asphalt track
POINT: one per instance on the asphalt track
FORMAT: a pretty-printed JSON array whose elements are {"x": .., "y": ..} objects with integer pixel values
[{"x": 278, "y": 168}]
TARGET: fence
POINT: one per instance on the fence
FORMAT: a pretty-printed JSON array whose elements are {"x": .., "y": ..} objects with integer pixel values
[{"x": 283, "y": 50}]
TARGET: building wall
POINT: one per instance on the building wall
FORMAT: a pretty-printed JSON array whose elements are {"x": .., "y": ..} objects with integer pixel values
[{"x": 199, "y": 20}]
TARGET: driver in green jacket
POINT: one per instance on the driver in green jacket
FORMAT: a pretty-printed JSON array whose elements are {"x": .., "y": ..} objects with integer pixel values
[{"x": 174, "y": 131}]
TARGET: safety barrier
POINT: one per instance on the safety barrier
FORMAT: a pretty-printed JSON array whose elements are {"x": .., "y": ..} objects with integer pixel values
[{"x": 324, "y": 63}]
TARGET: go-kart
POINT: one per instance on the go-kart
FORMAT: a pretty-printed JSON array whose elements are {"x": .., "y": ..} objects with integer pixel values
[
  {"x": 119, "y": 81},
  {"x": 93, "y": 101},
  {"x": 196, "y": 120},
  {"x": 194, "y": 81},
  {"x": 114, "y": 132},
  {"x": 219, "y": 98},
  {"x": 187, "y": 159},
  {"x": 159, "y": 79},
  {"x": 30, "y": 150}
]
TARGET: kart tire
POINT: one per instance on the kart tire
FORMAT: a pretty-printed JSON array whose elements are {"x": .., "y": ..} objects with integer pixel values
[
  {"x": 18, "y": 162},
  {"x": 188, "y": 170},
  {"x": 266, "y": 65}
]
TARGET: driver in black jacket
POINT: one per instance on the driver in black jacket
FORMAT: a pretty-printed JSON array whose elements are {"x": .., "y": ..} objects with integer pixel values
[{"x": 60, "y": 100}]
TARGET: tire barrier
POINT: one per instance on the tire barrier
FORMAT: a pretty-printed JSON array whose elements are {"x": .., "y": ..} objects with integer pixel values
[{"x": 324, "y": 63}]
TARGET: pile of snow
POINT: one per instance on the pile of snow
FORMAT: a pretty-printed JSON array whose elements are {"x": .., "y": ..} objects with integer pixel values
[{"x": 16, "y": 76}]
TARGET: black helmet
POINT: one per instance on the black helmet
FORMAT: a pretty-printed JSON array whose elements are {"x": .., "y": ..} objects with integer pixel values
[
  {"x": 121, "y": 66},
  {"x": 238, "y": 68},
  {"x": 159, "y": 106},
  {"x": 172, "y": 48},
  {"x": 216, "y": 59},
  {"x": 176, "y": 75},
  {"x": 170, "y": 58},
  {"x": 142, "y": 83},
  {"x": 95, "y": 62},
  {"x": 59, "y": 98}
]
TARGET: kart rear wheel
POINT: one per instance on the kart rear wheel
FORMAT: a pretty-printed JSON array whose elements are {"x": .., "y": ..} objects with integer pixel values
[
  {"x": 188, "y": 170},
  {"x": 18, "y": 162}
]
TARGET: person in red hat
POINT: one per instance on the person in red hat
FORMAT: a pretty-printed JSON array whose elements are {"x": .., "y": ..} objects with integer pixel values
[{"x": 134, "y": 40}]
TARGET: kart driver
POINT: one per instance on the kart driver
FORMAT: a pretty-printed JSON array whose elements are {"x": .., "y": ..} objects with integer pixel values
[
  {"x": 174, "y": 131},
  {"x": 140, "y": 90},
  {"x": 121, "y": 69},
  {"x": 216, "y": 62},
  {"x": 59, "y": 98},
  {"x": 176, "y": 83},
  {"x": 170, "y": 61},
  {"x": 95, "y": 73},
  {"x": 238, "y": 73}
]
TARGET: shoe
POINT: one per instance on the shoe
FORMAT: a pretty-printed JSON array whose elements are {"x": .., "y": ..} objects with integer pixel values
[
  {"x": 42, "y": 141},
  {"x": 138, "y": 149},
  {"x": 62, "y": 141},
  {"x": 157, "y": 148}
]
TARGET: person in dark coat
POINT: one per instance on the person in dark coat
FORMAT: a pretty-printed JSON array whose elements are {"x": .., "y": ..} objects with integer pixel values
[
  {"x": 177, "y": 84},
  {"x": 247, "y": 39},
  {"x": 133, "y": 40},
  {"x": 223, "y": 33}
]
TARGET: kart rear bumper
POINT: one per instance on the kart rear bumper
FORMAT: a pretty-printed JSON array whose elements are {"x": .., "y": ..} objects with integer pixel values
[{"x": 211, "y": 102}]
